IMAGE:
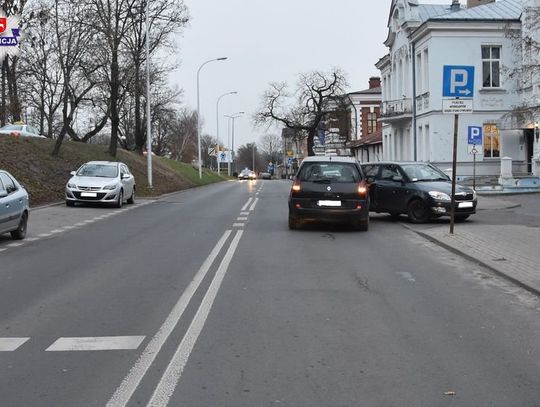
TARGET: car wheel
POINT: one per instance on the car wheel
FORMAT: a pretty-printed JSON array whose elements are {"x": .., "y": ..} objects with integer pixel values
[
  {"x": 131, "y": 199},
  {"x": 20, "y": 232},
  {"x": 362, "y": 225},
  {"x": 120, "y": 200},
  {"x": 294, "y": 223},
  {"x": 70, "y": 203},
  {"x": 461, "y": 218},
  {"x": 417, "y": 211}
]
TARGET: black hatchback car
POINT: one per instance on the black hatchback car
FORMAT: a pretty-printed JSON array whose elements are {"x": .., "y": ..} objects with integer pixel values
[
  {"x": 329, "y": 189},
  {"x": 419, "y": 190}
]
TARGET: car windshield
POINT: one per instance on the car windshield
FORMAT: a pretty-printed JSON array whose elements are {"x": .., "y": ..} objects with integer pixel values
[
  {"x": 13, "y": 127},
  {"x": 329, "y": 172},
  {"x": 423, "y": 172},
  {"x": 98, "y": 170}
]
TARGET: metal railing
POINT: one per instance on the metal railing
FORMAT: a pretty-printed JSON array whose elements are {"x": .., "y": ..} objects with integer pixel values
[{"x": 393, "y": 108}]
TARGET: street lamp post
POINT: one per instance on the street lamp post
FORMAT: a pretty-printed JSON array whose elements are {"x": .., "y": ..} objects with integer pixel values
[
  {"x": 148, "y": 123},
  {"x": 233, "y": 117},
  {"x": 199, "y": 111},
  {"x": 217, "y": 127}
]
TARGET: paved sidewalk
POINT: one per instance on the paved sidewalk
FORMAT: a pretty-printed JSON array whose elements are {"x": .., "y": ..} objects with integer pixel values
[{"x": 509, "y": 250}]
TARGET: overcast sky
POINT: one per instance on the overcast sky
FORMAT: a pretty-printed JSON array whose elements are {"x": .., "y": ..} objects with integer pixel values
[{"x": 275, "y": 40}]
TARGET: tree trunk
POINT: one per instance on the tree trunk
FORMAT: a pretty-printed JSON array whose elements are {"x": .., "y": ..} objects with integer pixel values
[
  {"x": 66, "y": 122},
  {"x": 310, "y": 141},
  {"x": 14, "y": 103},
  {"x": 115, "y": 118},
  {"x": 3, "y": 113}
]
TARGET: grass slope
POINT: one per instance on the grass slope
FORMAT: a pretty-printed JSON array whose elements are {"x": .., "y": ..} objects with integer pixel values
[{"x": 45, "y": 177}]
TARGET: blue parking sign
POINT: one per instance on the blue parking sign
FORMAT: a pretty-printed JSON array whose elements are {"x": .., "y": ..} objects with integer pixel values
[
  {"x": 474, "y": 135},
  {"x": 458, "y": 81}
]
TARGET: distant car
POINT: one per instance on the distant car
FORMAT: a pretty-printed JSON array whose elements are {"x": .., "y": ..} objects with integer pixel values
[
  {"x": 419, "y": 190},
  {"x": 13, "y": 206},
  {"x": 247, "y": 174},
  {"x": 101, "y": 181},
  {"x": 17, "y": 130},
  {"x": 329, "y": 189},
  {"x": 265, "y": 175}
]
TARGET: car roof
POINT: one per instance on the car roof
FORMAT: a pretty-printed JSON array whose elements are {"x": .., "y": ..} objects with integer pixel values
[
  {"x": 396, "y": 163},
  {"x": 330, "y": 158},
  {"x": 104, "y": 162}
]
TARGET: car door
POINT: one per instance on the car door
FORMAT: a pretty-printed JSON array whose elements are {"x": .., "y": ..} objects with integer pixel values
[
  {"x": 371, "y": 172},
  {"x": 12, "y": 204},
  {"x": 391, "y": 190},
  {"x": 127, "y": 180}
]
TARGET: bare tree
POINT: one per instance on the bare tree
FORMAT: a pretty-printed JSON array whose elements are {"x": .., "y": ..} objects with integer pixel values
[
  {"x": 312, "y": 102},
  {"x": 249, "y": 157},
  {"x": 271, "y": 146}
]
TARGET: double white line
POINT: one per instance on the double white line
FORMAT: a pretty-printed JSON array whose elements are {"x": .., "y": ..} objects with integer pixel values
[{"x": 169, "y": 380}]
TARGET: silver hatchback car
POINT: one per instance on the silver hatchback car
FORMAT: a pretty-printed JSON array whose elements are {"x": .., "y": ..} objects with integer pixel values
[
  {"x": 13, "y": 206},
  {"x": 101, "y": 182}
]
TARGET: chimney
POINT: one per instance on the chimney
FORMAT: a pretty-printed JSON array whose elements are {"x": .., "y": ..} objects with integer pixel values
[
  {"x": 456, "y": 6},
  {"x": 474, "y": 3},
  {"x": 374, "y": 82}
]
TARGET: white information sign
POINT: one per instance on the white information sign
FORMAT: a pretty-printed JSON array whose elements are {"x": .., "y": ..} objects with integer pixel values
[{"x": 457, "y": 106}]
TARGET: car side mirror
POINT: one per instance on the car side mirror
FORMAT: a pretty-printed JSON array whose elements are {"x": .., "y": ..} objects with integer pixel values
[
  {"x": 3, "y": 193},
  {"x": 125, "y": 176},
  {"x": 72, "y": 173}
]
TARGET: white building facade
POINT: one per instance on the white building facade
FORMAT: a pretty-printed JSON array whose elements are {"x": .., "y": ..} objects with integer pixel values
[{"x": 422, "y": 39}]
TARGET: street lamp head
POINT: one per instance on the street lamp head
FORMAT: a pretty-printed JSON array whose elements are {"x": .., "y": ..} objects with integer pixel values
[{"x": 222, "y": 59}]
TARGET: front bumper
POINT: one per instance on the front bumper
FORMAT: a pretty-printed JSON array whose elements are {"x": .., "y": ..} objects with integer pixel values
[
  {"x": 443, "y": 208},
  {"x": 103, "y": 196}
]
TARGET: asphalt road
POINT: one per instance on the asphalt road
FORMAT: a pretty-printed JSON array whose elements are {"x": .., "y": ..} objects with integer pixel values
[{"x": 205, "y": 298}]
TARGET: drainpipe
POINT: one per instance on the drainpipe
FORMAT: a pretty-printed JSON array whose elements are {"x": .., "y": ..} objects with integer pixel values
[{"x": 414, "y": 100}]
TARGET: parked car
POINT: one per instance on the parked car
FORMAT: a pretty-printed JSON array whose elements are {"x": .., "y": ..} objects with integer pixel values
[
  {"x": 20, "y": 129},
  {"x": 419, "y": 190},
  {"x": 329, "y": 189},
  {"x": 265, "y": 175},
  {"x": 13, "y": 206},
  {"x": 247, "y": 174},
  {"x": 101, "y": 181}
]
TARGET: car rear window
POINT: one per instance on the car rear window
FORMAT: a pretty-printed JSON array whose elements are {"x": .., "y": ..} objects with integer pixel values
[{"x": 329, "y": 172}]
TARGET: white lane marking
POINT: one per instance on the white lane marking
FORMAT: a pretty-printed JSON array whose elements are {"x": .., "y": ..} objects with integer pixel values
[
  {"x": 242, "y": 218},
  {"x": 3, "y": 250},
  {"x": 123, "y": 393},
  {"x": 170, "y": 378},
  {"x": 45, "y": 235},
  {"x": 79, "y": 224},
  {"x": 254, "y": 204},
  {"x": 247, "y": 204},
  {"x": 244, "y": 213},
  {"x": 11, "y": 344},
  {"x": 257, "y": 193},
  {"x": 238, "y": 225},
  {"x": 96, "y": 343},
  {"x": 407, "y": 276},
  {"x": 15, "y": 244},
  {"x": 89, "y": 221},
  {"x": 68, "y": 227},
  {"x": 31, "y": 239},
  {"x": 56, "y": 231}
]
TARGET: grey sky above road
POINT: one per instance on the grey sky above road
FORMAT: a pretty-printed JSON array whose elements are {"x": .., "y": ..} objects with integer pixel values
[{"x": 269, "y": 41}]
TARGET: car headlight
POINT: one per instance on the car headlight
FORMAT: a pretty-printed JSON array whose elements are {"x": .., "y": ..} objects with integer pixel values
[
  {"x": 71, "y": 186},
  {"x": 439, "y": 196},
  {"x": 109, "y": 187}
]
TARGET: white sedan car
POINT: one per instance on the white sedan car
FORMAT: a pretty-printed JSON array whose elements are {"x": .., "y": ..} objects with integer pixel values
[
  {"x": 17, "y": 130},
  {"x": 101, "y": 182}
]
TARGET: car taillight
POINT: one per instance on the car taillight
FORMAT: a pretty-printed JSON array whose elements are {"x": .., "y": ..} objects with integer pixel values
[
  {"x": 296, "y": 187},
  {"x": 362, "y": 189}
]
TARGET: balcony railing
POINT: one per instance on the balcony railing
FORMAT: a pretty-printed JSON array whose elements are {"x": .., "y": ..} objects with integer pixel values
[
  {"x": 422, "y": 102},
  {"x": 394, "y": 108}
]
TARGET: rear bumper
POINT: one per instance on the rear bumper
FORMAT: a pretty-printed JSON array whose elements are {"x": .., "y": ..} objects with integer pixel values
[{"x": 307, "y": 209}]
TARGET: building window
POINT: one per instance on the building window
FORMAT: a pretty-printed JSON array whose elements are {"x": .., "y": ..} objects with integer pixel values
[
  {"x": 491, "y": 66},
  {"x": 372, "y": 123},
  {"x": 492, "y": 141}
]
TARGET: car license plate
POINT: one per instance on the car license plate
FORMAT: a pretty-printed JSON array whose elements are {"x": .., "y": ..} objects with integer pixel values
[
  {"x": 465, "y": 205},
  {"x": 329, "y": 203},
  {"x": 88, "y": 194}
]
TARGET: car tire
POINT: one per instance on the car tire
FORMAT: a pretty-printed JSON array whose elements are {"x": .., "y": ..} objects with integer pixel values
[
  {"x": 461, "y": 218},
  {"x": 120, "y": 200},
  {"x": 131, "y": 199},
  {"x": 294, "y": 223},
  {"x": 70, "y": 203},
  {"x": 417, "y": 211},
  {"x": 362, "y": 225},
  {"x": 20, "y": 232}
]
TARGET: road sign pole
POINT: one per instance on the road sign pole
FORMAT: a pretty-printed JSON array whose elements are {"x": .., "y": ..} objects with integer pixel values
[
  {"x": 454, "y": 159},
  {"x": 474, "y": 168}
]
